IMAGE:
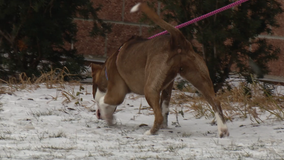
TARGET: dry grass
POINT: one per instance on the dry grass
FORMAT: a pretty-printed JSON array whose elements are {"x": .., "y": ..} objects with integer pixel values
[
  {"x": 15, "y": 84},
  {"x": 243, "y": 101},
  {"x": 53, "y": 79},
  {"x": 252, "y": 100}
]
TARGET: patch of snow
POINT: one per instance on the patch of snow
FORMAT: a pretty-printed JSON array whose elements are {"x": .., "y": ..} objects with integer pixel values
[{"x": 41, "y": 124}]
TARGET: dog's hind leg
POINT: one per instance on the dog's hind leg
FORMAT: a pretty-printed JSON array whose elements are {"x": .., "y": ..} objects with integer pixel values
[
  {"x": 164, "y": 103},
  {"x": 153, "y": 96},
  {"x": 152, "y": 91},
  {"x": 198, "y": 76}
]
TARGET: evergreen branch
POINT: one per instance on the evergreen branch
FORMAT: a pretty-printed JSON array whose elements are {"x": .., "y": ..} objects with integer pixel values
[{"x": 6, "y": 36}]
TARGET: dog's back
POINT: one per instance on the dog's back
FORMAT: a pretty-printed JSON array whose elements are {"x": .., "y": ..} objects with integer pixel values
[{"x": 166, "y": 51}]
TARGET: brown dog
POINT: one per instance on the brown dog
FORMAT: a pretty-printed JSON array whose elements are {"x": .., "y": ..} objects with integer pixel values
[{"x": 148, "y": 67}]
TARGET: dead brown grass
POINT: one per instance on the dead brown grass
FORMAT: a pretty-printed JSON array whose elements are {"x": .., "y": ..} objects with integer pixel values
[
  {"x": 244, "y": 101},
  {"x": 239, "y": 103},
  {"x": 53, "y": 79}
]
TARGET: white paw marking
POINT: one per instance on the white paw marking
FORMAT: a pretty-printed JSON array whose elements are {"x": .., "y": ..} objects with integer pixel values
[
  {"x": 165, "y": 111},
  {"x": 106, "y": 110},
  {"x": 165, "y": 108},
  {"x": 221, "y": 126},
  {"x": 148, "y": 132}
]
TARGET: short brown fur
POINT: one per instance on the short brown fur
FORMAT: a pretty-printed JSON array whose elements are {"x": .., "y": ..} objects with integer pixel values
[{"x": 148, "y": 67}]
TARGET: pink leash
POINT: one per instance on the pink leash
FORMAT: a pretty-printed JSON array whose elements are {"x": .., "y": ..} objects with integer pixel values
[{"x": 202, "y": 17}]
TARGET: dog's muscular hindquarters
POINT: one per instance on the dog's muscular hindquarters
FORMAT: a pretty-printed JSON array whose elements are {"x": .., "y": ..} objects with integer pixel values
[{"x": 148, "y": 67}]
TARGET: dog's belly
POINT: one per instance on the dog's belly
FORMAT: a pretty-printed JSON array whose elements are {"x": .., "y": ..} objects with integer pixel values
[
  {"x": 134, "y": 79},
  {"x": 132, "y": 70},
  {"x": 133, "y": 59}
]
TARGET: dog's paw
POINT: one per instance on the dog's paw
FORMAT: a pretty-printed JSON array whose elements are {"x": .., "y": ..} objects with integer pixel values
[
  {"x": 109, "y": 118},
  {"x": 224, "y": 133},
  {"x": 222, "y": 127},
  {"x": 148, "y": 132}
]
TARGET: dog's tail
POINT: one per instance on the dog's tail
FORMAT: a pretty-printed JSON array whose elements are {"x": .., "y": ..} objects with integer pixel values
[{"x": 175, "y": 33}]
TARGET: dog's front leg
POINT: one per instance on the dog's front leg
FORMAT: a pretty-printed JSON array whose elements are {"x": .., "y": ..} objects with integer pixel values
[{"x": 106, "y": 110}]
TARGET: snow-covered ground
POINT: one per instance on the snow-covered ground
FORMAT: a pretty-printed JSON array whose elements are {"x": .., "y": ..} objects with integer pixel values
[{"x": 61, "y": 124}]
